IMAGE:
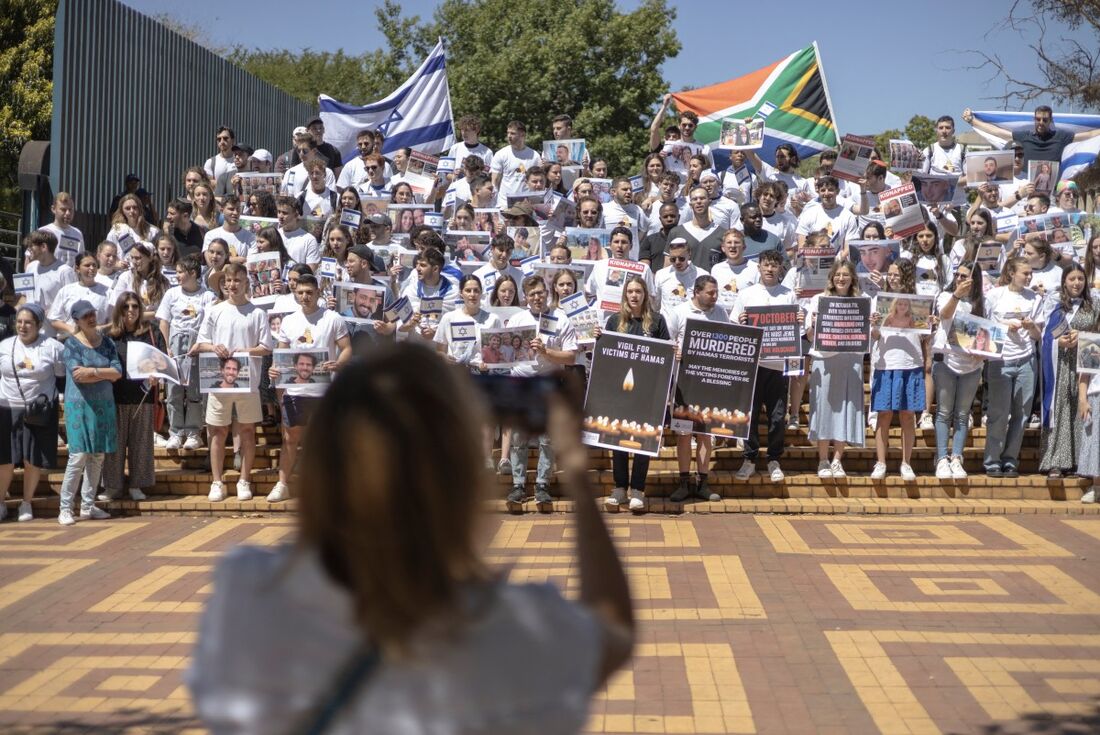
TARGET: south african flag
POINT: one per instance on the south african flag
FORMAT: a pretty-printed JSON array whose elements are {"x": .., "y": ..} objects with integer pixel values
[{"x": 791, "y": 95}]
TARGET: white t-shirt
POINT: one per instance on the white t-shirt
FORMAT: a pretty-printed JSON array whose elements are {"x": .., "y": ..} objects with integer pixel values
[
  {"x": 97, "y": 295},
  {"x": 125, "y": 282},
  {"x": 1049, "y": 277},
  {"x": 942, "y": 160},
  {"x": 318, "y": 205},
  {"x": 758, "y": 294},
  {"x": 632, "y": 216},
  {"x": 1002, "y": 304},
  {"x": 185, "y": 311},
  {"x": 672, "y": 287},
  {"x": 240, "y": 242},
  {"x": 301, "y": 246},
  {"x": 488, "y": 275},
  {"x": 724, "y": 213},
  {"x": 512, "y": 167},
  {"x": 783, "y": 225},
  {"x": 310, "y": 332},
  {"x": 119, "y": 230},
  {"x": 460, "y": 150},
  {"x": 48, "y": 282},
  {"x": 838, "y": 221},
  {"x": 897, "y": 351},
  {"x": 677, "y": 317},
  {"x": 217, "y": 165},
  {"x": 527, "y": 680},
  {"x": 296, "y": 179},
  {"x": 38, "y": 363},
  {"x": 956, "y": 358},
  {"x": 70, "y": 242},
  {"x": 238, "y": 328},
  {"x": 565, "y": 339},
  {"x": 732, "y": 279},
  {"x": 794, "y": 182},
  {"x": 465, "y": 351},
  {"x": 925, "y": 271}
]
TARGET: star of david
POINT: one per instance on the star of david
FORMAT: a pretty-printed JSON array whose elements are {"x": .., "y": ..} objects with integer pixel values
[
  {"x": 462, "y": 332},
  {"x": 395, "y": 116}
]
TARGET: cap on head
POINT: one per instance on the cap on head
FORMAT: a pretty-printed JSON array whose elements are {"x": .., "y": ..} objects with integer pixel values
[{"x": 81, "y": 309}]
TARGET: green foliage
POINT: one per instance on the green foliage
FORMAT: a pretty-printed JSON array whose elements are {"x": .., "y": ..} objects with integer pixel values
[
  {"x": 921, "y": 131},
  {"x": 584, "y": 59},
  {"x": 26, "y": 85}
]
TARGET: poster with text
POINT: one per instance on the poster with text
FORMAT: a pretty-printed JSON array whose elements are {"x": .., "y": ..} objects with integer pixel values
[
  {"x": 716, "y": 379},
  {"x": 843, "y": 324},
  {"x": 628, "y": 388},
  {"x": 853, "y": 158},
  {"x": 782, "y": 336},
  {"x": 584, "y": 318},
  {"x": 610, "y": 294},
  {"x": 903, "y": 212}
]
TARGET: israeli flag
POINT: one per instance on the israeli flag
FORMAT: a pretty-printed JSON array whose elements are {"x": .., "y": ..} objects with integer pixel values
[
  {"x": 416, "y": 115},
  {"x": 1075, "y": 158}
]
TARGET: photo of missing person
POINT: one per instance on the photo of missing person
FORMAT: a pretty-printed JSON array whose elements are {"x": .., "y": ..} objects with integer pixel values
[
  {"x": 302, "y": 367},
  {"x": 873, "y": 255},
  {"x": 265, "y": 275},
  {"x": 507, "y": 347},
  {"x": 587, "y": 243},
  {"x": 1043, "y": 175},
  {"x": 145, "y": 361},
  {"x": 1088, "y": 352},
  {"x": 904, "y": 312},
  {"x": 359, "y": 302},
  {"x": 566, "y": 152},
  {"x": 232, "y": 374},
  {"x": 989, "y": 167}
]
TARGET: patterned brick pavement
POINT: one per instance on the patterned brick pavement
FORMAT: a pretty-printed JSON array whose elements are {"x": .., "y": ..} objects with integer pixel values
[{"x": 749, "y": 624}]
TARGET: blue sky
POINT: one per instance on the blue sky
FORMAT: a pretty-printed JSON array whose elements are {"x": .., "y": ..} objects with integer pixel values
[{"x": 884, "y": 60}]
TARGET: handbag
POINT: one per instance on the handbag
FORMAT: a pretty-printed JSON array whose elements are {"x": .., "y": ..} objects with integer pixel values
[{"x": 40, "y": 411}]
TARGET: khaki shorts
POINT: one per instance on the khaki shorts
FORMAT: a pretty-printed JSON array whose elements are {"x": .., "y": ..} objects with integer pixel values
[{"x": 220, "y": 406}]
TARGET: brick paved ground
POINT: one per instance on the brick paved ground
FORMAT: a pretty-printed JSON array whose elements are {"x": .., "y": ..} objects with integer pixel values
[{"x": 767, "y": 623}]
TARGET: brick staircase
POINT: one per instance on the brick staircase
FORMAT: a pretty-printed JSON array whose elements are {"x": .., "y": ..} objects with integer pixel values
[{"x": 183, "y": 481}]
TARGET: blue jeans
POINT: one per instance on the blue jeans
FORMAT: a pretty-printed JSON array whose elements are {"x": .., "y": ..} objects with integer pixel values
[
  {"x": 954, "y": 397},
  {"x": 88, "y": 465},
  {"x": 1011, "y": 389},
  {"x": 519, "y": 459}
]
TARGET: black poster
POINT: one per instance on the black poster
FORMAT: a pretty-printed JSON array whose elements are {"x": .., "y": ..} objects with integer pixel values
[
  {"x": 782, "y": 330},
  {"x": 843, "y": 324},
  {"x": 627, "y": 392},
  {"x": 716, "y": 380}
]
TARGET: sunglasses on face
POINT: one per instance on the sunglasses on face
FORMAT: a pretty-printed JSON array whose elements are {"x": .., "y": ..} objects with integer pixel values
[
  {"x": 130, "y": 307},
  {"x": 677, "y": 258}
]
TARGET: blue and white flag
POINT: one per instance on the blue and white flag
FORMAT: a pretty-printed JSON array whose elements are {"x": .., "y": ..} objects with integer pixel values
[
  {"x": 1075, "y": 158},
  {"x": 416, "y": 115}
]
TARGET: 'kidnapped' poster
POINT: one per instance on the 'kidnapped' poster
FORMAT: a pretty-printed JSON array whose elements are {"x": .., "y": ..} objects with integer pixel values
[
  {"x": 716, "y": 379},
  {"x": 628, "y": 386}
]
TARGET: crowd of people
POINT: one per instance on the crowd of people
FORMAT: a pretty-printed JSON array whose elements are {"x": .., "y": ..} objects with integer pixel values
[{"x": 713, "y": 240}]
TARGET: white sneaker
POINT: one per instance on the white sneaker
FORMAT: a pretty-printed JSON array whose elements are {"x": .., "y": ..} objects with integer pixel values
[
  {"x": 838, "y": 469},
  {"x": 957, "y": 471},
  {"x": 747, "y": 470},
  {"x": 159, "y": 441},
  {"x": 879, "y": 471},
  {"x": 637, "y": 500},
  {"x": 1089, "y": 496},
  {"x": 616, "y": 498},
  {"x": 792, "y": 424},
  {"x": 174, "y": 442},
  {"x": 907, "y": 473},
  {"x": 776, "y": 471},
  {"x": 136, "y": 494},
  {"x": 25, "y": 512},
  {"x": 193, "y": 441},
  {"x": 970, "y": 421},
  {"x": 94, "y": 514},
  {"x": 279, "y": 493},
  {"x": 872, "y": 419},
  {"x": 927, "y": 422},
  {"x": 65, "y": 517},
  {"x": 217, "y": 492},
  {"x": 943, "y": 469},
  {"x": 1034, "y": 423},
  {"x": 824, "y": 469},
  {"x": 244, "y": 490}
]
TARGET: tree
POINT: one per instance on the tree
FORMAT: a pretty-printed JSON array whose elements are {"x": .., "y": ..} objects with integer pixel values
[
  {"x": 604, "y": 72},
  {"x": 921, "y": 131},
  {"x": 1069, "y": 68},
  {"x": 26, "y": 85}
]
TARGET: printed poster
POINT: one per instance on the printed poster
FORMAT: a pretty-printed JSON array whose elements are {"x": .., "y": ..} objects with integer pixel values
[
  {"x": 902, "y": 210},
  {"x": 901, "y": 313},
  {"x": 610, "y": 293},
  {"x": 854, "y": 157},
  {"x": 716, "y": 379},
  {"x": 843, "y": 324},
  {"x": 628, "y": 386},
  {"x": 231, "y": 375},
  {"x": 782, "y": 337}
]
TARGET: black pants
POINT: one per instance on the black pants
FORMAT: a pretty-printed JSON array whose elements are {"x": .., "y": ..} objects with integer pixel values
[
  {"x": 621, "y": 471},
  {"x": 771, "y": 393}
]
